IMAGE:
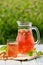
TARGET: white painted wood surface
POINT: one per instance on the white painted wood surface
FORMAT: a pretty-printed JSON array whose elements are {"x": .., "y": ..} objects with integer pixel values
[
  {"x": 12, "y": 62},
  {"x": 32, "y": 62},
  {"x": 2, "y": 62},
  {"x": 38, "y": 61}
]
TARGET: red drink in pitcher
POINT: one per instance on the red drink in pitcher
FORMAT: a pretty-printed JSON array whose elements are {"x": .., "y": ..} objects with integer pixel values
[{"x": 25, "y": 40}]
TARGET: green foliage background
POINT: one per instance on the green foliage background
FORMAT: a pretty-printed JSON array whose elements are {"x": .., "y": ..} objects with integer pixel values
[{"x": 23, "y": 10}]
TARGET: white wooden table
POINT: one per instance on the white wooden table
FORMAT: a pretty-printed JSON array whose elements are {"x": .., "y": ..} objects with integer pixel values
[{"x": 38, "y": 61}]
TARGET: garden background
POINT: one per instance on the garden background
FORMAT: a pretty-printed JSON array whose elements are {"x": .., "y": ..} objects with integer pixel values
[{"x": 23, "y": 10}]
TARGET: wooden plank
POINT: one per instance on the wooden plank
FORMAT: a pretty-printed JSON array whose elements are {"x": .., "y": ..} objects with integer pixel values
[
  {"x": 12, "y": 62},
  {"x": 32, "y": 62},
  {"x": 39, "y": 61},
  {"x": 2, "y": 62},
  {"x": 39, "y": 47}
]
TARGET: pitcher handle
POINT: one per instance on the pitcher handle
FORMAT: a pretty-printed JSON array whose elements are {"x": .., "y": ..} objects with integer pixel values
[{"x": 38, "y": 34}]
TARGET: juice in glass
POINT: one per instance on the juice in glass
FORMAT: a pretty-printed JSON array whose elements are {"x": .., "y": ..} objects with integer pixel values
[{"x": 12, "y": 49}]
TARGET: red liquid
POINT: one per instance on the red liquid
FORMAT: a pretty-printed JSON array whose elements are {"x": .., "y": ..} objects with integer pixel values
[
  {"x": 12, "y": 50},
  {"x": 25, "y": 40}
]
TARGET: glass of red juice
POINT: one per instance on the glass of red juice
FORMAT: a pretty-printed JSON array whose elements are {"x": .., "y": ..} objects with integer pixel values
[
  {"x": 25, "y": 37},
  {"x": 12, "y": 49}
]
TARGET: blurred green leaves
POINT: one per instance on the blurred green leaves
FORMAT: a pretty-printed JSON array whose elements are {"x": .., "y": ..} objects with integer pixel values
[
  {"x": 23, "y": 10},
  {"x": 3, "y": 48}
]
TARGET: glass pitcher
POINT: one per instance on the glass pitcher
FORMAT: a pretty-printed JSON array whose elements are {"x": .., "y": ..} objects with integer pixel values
[{"x": 25, "y": 37}]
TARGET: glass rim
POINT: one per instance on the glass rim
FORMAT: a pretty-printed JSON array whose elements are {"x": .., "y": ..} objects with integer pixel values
[
  {"x": 27, "y": 23},
  {"x": 12, "y": 42}
]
